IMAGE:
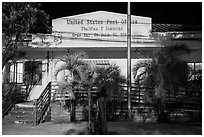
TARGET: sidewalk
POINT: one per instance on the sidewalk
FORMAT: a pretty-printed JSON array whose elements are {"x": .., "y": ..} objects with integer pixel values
[
  {"x": 48, "y": 128},
  {"x": 60, "y": 125}
]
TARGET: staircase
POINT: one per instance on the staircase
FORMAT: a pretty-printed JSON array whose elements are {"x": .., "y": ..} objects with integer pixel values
[
  {"x": 37, "y": 108},
  {"x": 22, "y": 113},
  {"x": 32, "y": 112},
  {"x": 7, "y": 103}
]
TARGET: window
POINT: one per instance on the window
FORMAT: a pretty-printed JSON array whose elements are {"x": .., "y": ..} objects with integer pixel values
[
  {"x": 195, "y": 70},
  {"x": 16, "y": 72}
]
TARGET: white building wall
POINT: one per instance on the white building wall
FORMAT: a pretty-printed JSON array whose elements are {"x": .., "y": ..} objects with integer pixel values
[{"x": 122, "y": 63}]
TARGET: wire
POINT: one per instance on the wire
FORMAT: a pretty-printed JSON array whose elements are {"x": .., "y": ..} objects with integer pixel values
[
  {"x": 108, "y": 40},
  {"x": 140, "y": 38},
  {"x": 98, "y": 34},
  {"x": 148, "y": 40},
  {"x": 60, "y": 33}
]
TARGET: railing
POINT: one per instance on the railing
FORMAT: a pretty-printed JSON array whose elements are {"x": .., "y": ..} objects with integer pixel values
[
  {"x": 42, "y": 105},
  {"x": 119, "y": 106},
  {"x": 183, "y": 101},
  {"x": 7, "y": 103},
  {"x": 6, "y": 93}
]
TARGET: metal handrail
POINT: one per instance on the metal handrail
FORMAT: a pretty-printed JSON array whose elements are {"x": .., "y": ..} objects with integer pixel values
[
  {"x": 5, "y": 98},
  {"x": 7, "y": 93},
  {"x": 42, "y": 104}
]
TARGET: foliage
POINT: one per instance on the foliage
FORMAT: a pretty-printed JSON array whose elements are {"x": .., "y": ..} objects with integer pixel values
[
  {"x": 195, "y": 83},
  {"x": 13, "y": 93},
  {"x": 107, "y": 80},
  {"x": 87, "y": 78},
  {"x": 18, "y": 96},
  {"x": 75, "y": 64},
  {"x": 18, "y": 19},
  {"x": 110, "y": 79},
  {"x": 165, "y": 73},
  {"x": 6, "y": 88}
]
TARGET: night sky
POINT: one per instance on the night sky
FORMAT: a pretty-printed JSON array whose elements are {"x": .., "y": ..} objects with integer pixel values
[{"x": 189, "y": 13}]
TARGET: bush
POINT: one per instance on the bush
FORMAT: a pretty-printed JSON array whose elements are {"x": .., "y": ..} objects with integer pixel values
[{"x": 13, "y": 93}]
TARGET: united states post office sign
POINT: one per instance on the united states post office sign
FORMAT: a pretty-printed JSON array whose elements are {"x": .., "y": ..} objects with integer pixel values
[{"x": 102, "y": 25}]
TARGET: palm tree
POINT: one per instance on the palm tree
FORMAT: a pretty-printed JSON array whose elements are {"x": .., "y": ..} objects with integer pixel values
[
  {"x": 86, "y": 79},
  {"x": 73, "y": 63},
  {"x": 165, "y": 73},
  {"x": 108, "y": 80}
]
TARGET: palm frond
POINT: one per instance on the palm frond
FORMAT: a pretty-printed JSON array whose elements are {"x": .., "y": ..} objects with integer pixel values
[
  {"x": 77, "y": 66},
  {"x": 139, "y": 65},
  {"x": 65, "y": 88},
  {"x": 108, "y": 80},
  {"x": 62, "y": 67}
]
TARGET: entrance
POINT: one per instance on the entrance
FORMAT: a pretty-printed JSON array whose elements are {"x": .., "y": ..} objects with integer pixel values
[{"x": 33, "y": 73}]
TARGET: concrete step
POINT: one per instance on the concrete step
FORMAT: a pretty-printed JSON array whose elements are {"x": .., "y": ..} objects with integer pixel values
[
  {"x": 29, "y": 104},
  {"x": 27, "y": 116},
  {"x": 25, "y": 106},
  {"x": 24, "y": 109},
  {"x": 24, "y": 121},
  {"x": 22, "y": 113},
  {"x": 16, "y": 112},
  {"x": 19, "y": 119},
  {"x": 9, "y": 119}
]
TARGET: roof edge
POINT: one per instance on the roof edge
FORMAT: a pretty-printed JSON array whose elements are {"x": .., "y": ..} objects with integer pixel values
[{"x": 100, "y": 11}]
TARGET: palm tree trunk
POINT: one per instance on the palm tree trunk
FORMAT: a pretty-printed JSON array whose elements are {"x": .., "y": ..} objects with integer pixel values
[
  {"x": 89, "y": 112},
  {"x": 113, "y": 107},
  {"x": 103, "y": 122},
  {"x": 72, "y": 111}
]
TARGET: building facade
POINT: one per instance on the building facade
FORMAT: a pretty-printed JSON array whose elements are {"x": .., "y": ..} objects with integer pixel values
[{"x": 103, "y": 36}]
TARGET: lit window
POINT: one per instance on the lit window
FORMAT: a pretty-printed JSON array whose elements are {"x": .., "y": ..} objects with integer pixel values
[
  {"x": 195, "y": 70},
  {"x": 16, "y": 72}
]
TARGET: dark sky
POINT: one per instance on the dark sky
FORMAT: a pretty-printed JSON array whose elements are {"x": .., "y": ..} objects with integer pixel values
[{"x": 161, "y": 12}]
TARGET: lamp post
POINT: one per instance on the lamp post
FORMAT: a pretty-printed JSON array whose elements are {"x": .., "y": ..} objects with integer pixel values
[{"x": 129, "y": 60}]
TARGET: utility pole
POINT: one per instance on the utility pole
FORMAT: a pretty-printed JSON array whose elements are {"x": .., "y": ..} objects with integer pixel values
[{"x": 129, "y": 60}]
